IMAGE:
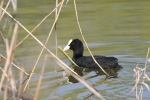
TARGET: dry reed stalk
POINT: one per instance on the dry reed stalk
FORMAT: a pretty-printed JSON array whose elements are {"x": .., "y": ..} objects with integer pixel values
[
  {"x": 76, "y": 76},
  {"x": 25, "y": 29},
  {"x": 146, "y": 61},
  {"x": 12, "y": 82},
  {"x": 5, "y": 9},
  {"x": 9, "y": 54},
  {"x": 38, "y": 25},
  {"x": 138, "y": 75},
  {"x": 67, "y": 56},
  {"x": 15, "y": 65},
  {"x": 85, "y": 41},
  {"x": 35, "y": 27},
  {"x": 88, "y": 98},
  {"x": 8, "y": 67},
  {"x": 6, "y": 58},
  {"x": 10, "y": 49},
  {"x": 14, "y": 5},
  {"x": 4, "y": 73},
  {"x": 67, "y": 1},
  {"x": 43, "y": 46},
  {"x": 20, "y": 84},
  {"x": 12, "y": 90},
  {"x": 2, "y": 36},
  {"x": 56, "y": 29},
  {"x": 141, "y": 77},
  {"x": 5, "y": 90},
  {"x": 9, "y": 91},
  {"x": 40, "y": 79},
  {"x": 1, "y": 4}
]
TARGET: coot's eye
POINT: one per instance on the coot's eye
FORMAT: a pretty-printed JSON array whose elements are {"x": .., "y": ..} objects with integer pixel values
[{"x": 72, "y": 43}]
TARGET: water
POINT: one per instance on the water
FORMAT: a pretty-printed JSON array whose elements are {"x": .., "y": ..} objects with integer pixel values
[{"x": 112, "y": 28}]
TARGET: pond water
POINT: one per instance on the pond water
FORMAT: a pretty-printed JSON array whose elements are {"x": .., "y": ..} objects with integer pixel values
[{"x": 118, "y": 28}]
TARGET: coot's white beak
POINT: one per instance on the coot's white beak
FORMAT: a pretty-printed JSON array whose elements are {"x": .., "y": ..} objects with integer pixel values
[{"x": 67, "y": 47}]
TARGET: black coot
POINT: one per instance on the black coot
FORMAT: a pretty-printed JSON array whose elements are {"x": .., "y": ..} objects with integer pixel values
[{"x": 86, "y": 61}]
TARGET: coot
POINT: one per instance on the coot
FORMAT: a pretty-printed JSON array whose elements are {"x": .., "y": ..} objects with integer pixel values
[{"x": 86, "y": 61}]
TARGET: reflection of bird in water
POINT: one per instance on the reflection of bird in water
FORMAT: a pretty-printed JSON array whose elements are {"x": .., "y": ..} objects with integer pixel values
[
  {"x": 79, "y": 72},
  {"x": 113, "y": 73}
]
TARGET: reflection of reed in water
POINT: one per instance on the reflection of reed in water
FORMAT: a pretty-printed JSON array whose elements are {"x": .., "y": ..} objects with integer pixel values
[{"x": 113, "y": 73}]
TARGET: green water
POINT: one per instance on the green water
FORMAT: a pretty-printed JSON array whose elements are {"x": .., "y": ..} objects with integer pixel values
[{"x": 118, "y": 28}]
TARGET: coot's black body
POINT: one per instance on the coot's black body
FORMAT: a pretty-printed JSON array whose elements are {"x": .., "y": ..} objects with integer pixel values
[{"x": 86, "y": 61}]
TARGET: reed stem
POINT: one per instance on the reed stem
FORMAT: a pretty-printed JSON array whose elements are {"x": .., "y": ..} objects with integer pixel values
[{"x": 67, "y": 56}]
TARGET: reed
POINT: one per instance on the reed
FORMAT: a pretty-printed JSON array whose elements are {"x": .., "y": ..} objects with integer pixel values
[
  {"x": 56, "y": 14},
  {"x": 85, "y": 40},
  {"x": 9, "y": 86},
  {"x": 7, "y": 80},
  {"x": 75, "y": 75},
  {"x": 40, "y": 79},
  {"x": 140, "y": 79},
  {"x": 43, "y": 47},
  {"x": 2, "y": 2},
  {"x": 9, "y": 55},
  {"x": 67, "y": 56}
]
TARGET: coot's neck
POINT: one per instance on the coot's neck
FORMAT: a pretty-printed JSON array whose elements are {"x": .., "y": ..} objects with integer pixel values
[{"x": 78, "y": 52}]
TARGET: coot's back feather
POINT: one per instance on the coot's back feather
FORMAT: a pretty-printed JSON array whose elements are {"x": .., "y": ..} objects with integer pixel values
[{"x": 86, "y": 61}]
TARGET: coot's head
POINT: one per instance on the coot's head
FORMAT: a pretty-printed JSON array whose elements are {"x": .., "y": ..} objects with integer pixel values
[{"x": 76, "y": 45}]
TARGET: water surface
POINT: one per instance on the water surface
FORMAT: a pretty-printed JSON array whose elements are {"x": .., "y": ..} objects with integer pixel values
[{"x": 112, "y": 28}]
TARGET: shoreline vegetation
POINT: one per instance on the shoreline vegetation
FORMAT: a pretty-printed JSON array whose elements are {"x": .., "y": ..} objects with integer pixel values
[{"x": 17, "y": 91}]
